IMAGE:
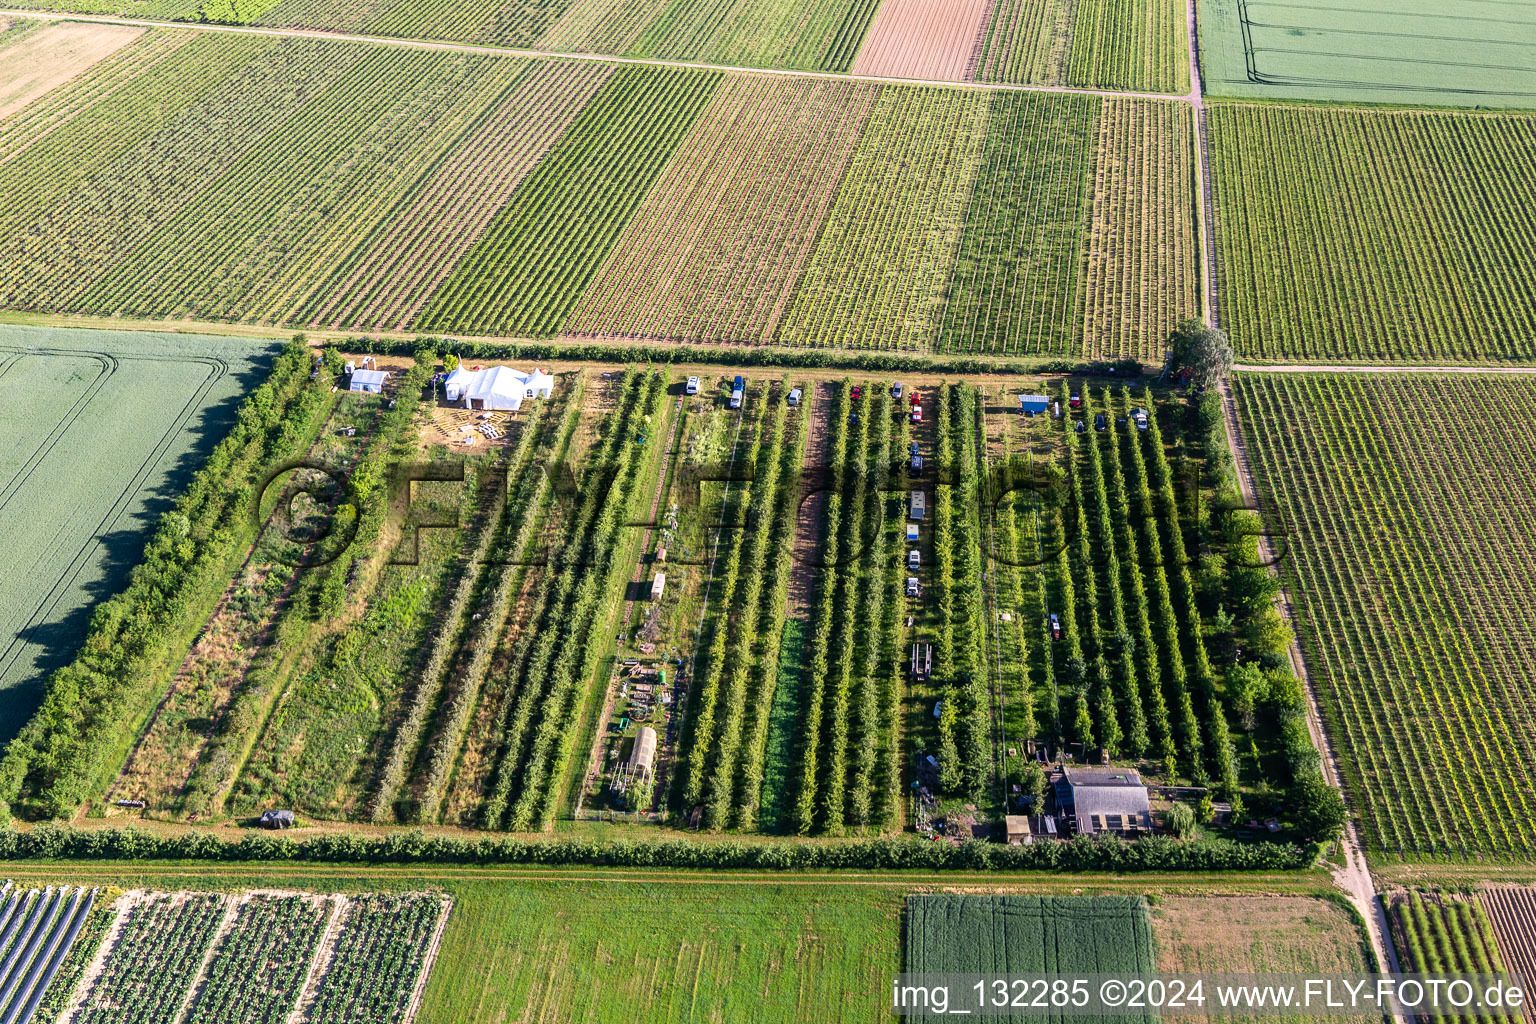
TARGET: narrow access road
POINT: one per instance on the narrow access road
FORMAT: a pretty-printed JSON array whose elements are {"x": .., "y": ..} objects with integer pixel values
[{"x": 427, "y": 44}]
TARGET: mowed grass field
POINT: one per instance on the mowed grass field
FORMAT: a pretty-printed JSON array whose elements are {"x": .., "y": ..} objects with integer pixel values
[
  {"x": 1441, "y": 52},
  {"x": 216, "y": 177},
  {"x": 1405, "y": 504},
  {"x": 658, "y": 952},
  {"x": 102, "y": 430},
  {"x": 1375, "y": 235}
]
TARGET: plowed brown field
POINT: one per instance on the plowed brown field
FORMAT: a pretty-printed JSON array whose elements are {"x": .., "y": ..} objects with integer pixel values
[{"x": 934, "y": 40}]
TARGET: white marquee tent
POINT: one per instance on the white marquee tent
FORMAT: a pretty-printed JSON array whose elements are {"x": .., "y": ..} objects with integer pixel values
[{"x": 496, "y": 387}]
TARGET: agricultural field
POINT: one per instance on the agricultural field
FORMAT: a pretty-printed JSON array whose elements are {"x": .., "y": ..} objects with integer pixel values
[
  {"x": 1374, "y": 235},
  {"x": 103, "y": 432},
  {"x": 823, "y": 36},
  {"x": 700, "y": 665},
  {"x": 1509, "y": 910},
  {"x": 540, "y": 251},
  {"x": 913, "y": 39},
  {"x": 1100, "y": 528},
  {"x": 38, "y": 58},
  {"x": 1138, "y": 668},
  {"x": 523, "y": 197},
  {"x": 1238, "y": 934},
  {"x": 658, "y": 951},
  {"x": 259, "y": 957},
  {"x": 39, "y": 929},
  {"x": 767, "y": 155},
  {"x": 1134, "y": 45},
  {"x": 972, "y": 933},
  {"x": 516, "y": 948},
  {"x": 1443, "y": 935},
  {"x": 984, "y": 248},
  {"x": 1461, "y": 53},
  {"x": 1403, "y": 501},
  {"x": 847, "y": 768},
  {"x": 418, "y": 667}
]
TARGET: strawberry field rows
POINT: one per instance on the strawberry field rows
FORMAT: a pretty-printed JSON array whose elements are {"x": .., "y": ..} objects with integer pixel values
[
  {"x": 257, "y": 958},
  {"x": 296, "y": 181},
  {"x": 1375, "y": 234},
  {"x": 1405, "y": 507}
]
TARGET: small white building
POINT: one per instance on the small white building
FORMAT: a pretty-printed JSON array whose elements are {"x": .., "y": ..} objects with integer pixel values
[
  {"x": 371, "y": 381},
  {"x": 496, "y": 387}
]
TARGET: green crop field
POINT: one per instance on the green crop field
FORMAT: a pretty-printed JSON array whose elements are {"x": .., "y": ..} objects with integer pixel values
[
  {"x": 544, "y": 946},
  {"x": 1452, "y": 936},
  {"x": 955, "y": 933},
  {"x": 102, "y": 432},
  {"x": 212, "y": 958},
  {"x": 1405, "y": 506},
  {"x": 1375, "y": 235},
  {"x": 1468, "y": 53},
  {"x": 540, "y": 252},
  {"x": 652, "y": 951}
]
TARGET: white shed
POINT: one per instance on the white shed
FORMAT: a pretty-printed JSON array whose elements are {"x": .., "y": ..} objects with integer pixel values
[
  {"x": 496, "y": 387},
  {"x": 658, "y": 586},
  {"x": 371, "y": 381}
]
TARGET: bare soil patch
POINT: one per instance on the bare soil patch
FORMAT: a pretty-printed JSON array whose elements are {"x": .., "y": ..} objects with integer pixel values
[
  {"x": 42, "y": 61},
  {"x": 934, "y": 40}
]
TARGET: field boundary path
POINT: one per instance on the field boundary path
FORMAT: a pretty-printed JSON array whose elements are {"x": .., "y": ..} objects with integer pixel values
[
  {"x": 428, "y": 44},
  {"x": 1354, "y": 877}
]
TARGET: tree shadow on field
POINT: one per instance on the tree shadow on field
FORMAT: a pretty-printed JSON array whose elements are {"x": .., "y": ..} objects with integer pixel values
[{"x": 63, "y": 617}]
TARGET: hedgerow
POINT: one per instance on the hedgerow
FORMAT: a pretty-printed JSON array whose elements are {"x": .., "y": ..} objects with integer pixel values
[
  {"x": 740, "y": 355},
  {"x": 1154, "y": 853},
  {"x": 82, "y": 727}
]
